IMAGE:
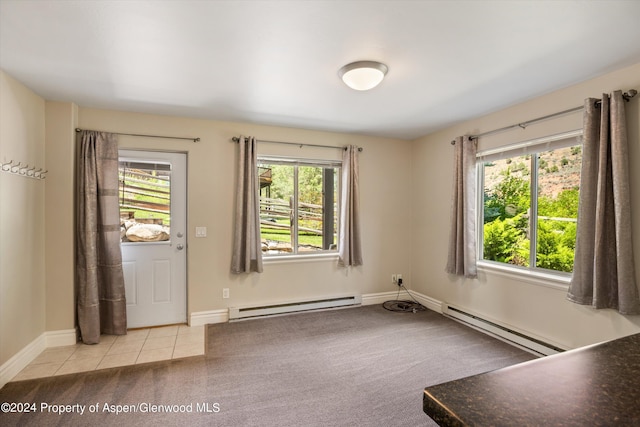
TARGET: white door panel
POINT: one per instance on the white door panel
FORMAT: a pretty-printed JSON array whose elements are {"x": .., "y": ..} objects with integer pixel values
[{"x": 155, "y": 272}]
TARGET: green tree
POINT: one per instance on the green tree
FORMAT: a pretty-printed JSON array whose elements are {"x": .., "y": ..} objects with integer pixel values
[
  {"x": 310, "y": 184},
  {"x": 506, "y": 240},
  {"x": 553, "y": 253},
  {"x": 557, "y": 239},
  {"x": 281, "y": 181},
  {"x": 565, "y": 205},
  {"x": 508, "y": 198}
]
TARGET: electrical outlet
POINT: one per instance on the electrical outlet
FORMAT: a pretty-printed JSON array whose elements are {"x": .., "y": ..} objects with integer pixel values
[
  {"x": 399, "y": 279},
  {"x": 225, "y": 293},
  {"x": 394, "y": 279}
]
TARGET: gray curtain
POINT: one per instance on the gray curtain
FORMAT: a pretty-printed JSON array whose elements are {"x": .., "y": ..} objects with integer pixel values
[
  {"x": 247, "y": 247},
  {"x": 350, "y": 248},
  {"x": 461, "y": 259},
  {"x": 604, "y": 272},
  {"x": 101, "y": 300}
]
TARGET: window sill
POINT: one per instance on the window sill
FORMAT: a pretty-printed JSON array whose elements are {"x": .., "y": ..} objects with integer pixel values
[
  {"x": 285, "y": 259},
  {"x": 536, "y": 277}
]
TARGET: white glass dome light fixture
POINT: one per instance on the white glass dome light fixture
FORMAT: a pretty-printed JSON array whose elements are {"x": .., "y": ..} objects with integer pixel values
[{"x": 363, "y": 75}]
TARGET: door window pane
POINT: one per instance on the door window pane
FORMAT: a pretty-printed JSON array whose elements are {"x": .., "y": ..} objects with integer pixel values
[{"x": 145, "y": 201}]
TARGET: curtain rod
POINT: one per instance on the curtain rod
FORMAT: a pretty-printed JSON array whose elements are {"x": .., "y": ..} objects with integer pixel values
[
  {"x": 237, "y": 139},
  {"x": 149, "y": 136},
  {"x": 627, "y": 97}
]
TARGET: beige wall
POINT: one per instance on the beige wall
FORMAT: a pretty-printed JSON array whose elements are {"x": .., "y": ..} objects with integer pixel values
[
  {"x": 22, "y": 282},
  {"x": 537, "y": 308},
  {"x": 59, "y": 219},
  {"x": 385, "y": 201}
]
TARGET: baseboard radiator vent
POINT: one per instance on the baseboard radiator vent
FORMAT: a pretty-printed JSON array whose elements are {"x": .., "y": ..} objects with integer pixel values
[
  {"x": 236, "y": 313},
  {"x": 533, "y": 345}
]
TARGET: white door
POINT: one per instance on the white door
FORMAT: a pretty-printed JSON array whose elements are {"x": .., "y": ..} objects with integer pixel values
[{"x": 153, "y": 208}]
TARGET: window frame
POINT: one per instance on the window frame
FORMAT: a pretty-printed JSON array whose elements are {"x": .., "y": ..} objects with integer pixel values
[
  {"x": 532, "y": 273},
  {"x": 297, "y": 162}
]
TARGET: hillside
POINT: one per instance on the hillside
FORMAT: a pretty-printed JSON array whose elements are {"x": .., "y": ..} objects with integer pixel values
[{"x": 559, "y": 170}]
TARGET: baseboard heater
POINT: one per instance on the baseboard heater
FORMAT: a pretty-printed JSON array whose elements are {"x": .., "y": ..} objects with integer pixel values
[
  {"x": 236, "y": 313},
  {"x": 519, "y": 339}
]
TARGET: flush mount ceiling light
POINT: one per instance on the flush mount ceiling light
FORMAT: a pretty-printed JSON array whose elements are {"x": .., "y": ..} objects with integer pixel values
[{"x": 363, "y": 75}]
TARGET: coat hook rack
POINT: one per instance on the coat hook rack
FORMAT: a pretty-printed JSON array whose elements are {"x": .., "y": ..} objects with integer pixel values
[{"x": 25, "y": 170}]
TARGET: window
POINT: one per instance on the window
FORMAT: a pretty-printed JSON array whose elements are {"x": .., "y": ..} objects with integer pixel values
[
  {"x": 145, "y": 201},
  {"x": 298, "y": 206},
  {"x": 529, "y": 205}
]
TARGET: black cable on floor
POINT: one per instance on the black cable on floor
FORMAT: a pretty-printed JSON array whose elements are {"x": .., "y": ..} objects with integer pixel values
[{"x": 403, "y": 306}]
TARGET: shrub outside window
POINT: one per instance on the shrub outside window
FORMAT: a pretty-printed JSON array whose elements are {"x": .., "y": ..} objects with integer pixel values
[
  {"x": 529, "y": 204},
  {"x": 298, "y": 206}
]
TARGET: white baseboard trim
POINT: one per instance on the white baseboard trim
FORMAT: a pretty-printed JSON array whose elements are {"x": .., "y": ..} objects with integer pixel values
[
  {"x": 431, "y": 303},
  {"x": 200, "y": 318},
  {"x": 61, "y": 338},
  {"x": 21, "y": 359},
  {"x": 378, "y": 298}
]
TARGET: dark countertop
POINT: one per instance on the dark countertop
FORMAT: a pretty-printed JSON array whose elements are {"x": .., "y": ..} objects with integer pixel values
[{"x": 597, "y": 385}]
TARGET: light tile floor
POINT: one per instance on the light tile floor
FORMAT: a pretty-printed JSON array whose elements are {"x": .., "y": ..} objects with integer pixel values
[{"x": 138, "y": 346}]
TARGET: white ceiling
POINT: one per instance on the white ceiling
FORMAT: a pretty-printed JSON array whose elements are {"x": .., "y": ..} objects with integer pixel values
[{"x": 276, "y": 62}]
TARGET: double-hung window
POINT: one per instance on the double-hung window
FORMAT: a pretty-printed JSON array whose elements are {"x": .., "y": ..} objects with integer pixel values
[
  {"x": 298, "y": 205},
  {"x": 529, "y": 203}
]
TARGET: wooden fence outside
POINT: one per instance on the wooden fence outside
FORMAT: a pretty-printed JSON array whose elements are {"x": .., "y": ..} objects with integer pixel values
[{"x": 272, "y": 210}]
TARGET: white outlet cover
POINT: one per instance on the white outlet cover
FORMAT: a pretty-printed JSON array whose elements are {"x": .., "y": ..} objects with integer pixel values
[{"x": 201, "y": 231}]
